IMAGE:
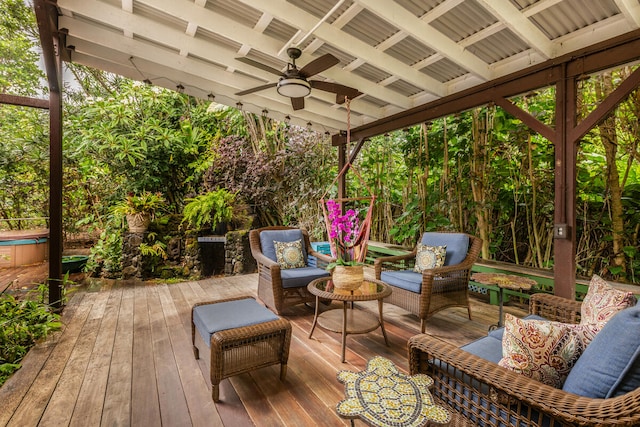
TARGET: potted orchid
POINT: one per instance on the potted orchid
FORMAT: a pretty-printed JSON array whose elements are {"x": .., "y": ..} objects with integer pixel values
[{"x": 347, "y": 271}]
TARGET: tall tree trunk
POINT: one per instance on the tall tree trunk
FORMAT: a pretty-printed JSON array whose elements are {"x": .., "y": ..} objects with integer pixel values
[
  {"x": 424, "y": 178},
  {"x": 607, "y": 130},
  {"x": 479, "y": 162},
  {"x": 534, "y": 207}
]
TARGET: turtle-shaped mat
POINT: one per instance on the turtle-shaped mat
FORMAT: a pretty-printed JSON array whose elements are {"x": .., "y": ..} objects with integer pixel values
[{"x": 383, "y": 396}]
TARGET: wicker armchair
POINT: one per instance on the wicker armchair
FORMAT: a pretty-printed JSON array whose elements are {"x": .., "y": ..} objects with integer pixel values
[
  {"x": 438, "y": 288},
  {"x": 278, "y": 292},
  {"x": 488, "y": 395}
]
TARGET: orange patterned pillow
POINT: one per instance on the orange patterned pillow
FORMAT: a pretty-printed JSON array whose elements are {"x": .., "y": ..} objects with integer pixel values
[
  {"x": 543, "y": 350},
  {"x": 602, "y": 302}
]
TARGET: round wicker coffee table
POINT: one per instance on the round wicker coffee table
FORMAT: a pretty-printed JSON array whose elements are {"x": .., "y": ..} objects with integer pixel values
[{"x": 350, "y": 321}]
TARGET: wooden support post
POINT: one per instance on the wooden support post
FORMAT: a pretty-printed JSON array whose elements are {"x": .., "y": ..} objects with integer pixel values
[
  {"x": 47, "y": 17},
  {"x": 565, "y": 184}
]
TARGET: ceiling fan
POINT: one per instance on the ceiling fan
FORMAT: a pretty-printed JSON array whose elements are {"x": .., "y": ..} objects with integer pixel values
[{"x": 293, "y": 82}]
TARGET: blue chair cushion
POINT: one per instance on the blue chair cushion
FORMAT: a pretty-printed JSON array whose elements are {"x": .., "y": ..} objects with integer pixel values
[
  {"x": 298, "y": 277},
  {"x": 457, "y": 245},
  {"x": 610, "y": 365},
  {"x": 489, "y": 348},
  {"x": 211, "y": 318},
  {"x": 267, "y": 238},
  {"x": 405, "y": 279}
]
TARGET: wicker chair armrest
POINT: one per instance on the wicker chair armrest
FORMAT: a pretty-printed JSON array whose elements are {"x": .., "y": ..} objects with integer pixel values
[
  {"x": 506, "y": 390},
  {"x": 263, "y": 259},
  {"x": 555, "y": 308},
  {"x": 391, "y": 262},
  {"x": 395, "y": 258},
  {"x": 323, "y": 259}
]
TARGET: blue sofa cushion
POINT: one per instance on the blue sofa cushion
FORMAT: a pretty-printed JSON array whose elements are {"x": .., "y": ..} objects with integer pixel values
[
  {"x": 405, "y": 279},
  {"x": 610, "y": 365},
  {"x": 298, "y": 277},
  {"x": 211, "y": 318},
  {"x": 489, "y": 348},
  {"x": 267, "y": 238},
  {"x": 457, "y": 245}
]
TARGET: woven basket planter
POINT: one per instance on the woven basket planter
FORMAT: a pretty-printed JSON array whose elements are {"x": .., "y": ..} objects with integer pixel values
[{"x": 348, "y": 278}]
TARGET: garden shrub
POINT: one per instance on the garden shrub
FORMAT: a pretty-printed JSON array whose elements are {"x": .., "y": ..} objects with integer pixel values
[{"x": 22, "y": 324}]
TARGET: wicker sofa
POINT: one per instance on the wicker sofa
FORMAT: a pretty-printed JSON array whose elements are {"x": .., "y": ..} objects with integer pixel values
[{"x": 487, "y": 394}]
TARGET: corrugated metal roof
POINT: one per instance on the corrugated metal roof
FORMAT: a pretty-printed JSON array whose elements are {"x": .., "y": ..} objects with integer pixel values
[
  {"x": 419, "y": 7},
  {"x": 280, "y": 31},
  {"x": 217, "y": 39},
  {"x": 463, "y": 20},
  {"x": 409, "y": 50},
  {"x": 498, "y": 46},
  {"x": 158, "y": 16},
  {"x": 444, "y": 70},
  {"x": 405, "y": 88},
  {"x": 238, "y": 11},
  {"x": 369, "y": 28},
  {"x": 395, "y": 52},
  {"x": 372, "y": 73},
  {"x": 568, "y": 16},
  {"x": 320, "y": 8}
]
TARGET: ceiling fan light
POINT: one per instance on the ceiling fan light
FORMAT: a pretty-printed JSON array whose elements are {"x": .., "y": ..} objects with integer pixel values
[{"x": 294, "y": 87}]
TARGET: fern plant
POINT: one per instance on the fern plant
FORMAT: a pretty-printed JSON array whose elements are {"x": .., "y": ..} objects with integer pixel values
[{"x": 209, "y": 210}]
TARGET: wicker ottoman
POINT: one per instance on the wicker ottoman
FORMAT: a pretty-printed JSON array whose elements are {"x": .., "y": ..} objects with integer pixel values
[{"x": 240, "y": 335}]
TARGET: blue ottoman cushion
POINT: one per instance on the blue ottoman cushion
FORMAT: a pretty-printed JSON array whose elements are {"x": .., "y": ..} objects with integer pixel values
[
  {"x": 610, "y": 365},
  {"x": 211, "y": 318}
]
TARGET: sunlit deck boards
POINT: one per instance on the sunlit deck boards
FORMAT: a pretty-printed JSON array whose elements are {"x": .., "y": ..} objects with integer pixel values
[{"x": 125, "y": 358}]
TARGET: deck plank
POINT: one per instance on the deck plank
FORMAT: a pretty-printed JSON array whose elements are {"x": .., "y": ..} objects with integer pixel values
[
  {"x": 117, "y": 399},
  {"x": 125, "y": 358},
  {"x": 89, "y": 406},
  {"x": 145, "y": 406}
]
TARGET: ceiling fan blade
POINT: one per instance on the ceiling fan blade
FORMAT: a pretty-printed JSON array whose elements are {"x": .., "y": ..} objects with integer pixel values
[
  {"x": 340, "y": 90},
  {"x": 256, "y": 89},
  {"x": 259, "y": 65},
  {"x": 297, "y": 103},
  {"x": 318, "y": 65}
]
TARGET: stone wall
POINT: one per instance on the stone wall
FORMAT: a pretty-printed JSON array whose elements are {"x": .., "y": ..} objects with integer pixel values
[
  {"x": 185, "y": 257},
  {"x": 237, "y": 254},
  {"x": 132, "y": 264}
]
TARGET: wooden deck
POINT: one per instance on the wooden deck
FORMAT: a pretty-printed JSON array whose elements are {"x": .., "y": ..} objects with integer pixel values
[{"x": 124, "y": 357}]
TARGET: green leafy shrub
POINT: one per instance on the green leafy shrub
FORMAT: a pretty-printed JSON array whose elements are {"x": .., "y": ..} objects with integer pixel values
[
  {"x": 22, "y": 324},
  {"x": 210, "y": 209}
]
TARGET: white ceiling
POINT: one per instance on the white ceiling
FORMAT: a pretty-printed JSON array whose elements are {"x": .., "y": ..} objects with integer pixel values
[{"x": 399, "y": 53}]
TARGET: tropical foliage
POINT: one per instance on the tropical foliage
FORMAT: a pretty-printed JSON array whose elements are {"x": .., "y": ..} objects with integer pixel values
[
  {"x": 481, "y": 171},
  {"x": 22, "y": 324}
]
